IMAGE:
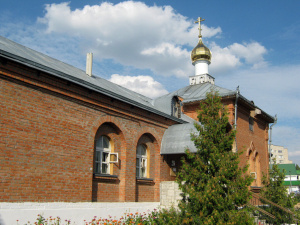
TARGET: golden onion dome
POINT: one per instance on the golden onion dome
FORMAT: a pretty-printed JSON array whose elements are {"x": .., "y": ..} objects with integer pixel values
[{"x": 200, "y": 52}]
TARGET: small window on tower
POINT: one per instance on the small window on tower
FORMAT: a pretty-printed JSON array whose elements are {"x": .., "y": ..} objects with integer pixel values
[
  {"x": 251, "y": 123},
  {"x": 176, "y": 110}
]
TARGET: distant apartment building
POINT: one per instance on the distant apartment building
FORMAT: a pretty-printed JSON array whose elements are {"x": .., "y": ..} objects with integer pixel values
[{"x": 280, "y": 154}]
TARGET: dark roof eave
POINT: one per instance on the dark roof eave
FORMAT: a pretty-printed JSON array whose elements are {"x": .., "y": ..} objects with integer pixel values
[
  {"x": 173, "y": 153},
  {"x": 268, "y": 117},
  {"x": 83, "y": 83}
]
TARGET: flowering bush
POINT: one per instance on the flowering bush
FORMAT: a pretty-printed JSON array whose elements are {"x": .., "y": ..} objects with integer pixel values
[
  {"x": 155, "y": 217},
  {"x": 50, "y": 221}
]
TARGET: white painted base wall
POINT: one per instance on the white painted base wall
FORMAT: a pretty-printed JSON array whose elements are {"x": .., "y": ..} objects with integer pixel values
[
  {"x": 76, "y": 212},
  {"x": 170, "y": 194}
]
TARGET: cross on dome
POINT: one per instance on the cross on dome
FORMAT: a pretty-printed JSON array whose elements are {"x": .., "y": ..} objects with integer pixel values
[{"x": 199, "y": 20}]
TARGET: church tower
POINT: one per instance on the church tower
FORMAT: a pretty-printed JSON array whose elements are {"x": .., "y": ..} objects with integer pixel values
[{"x": 201, "y": 58}]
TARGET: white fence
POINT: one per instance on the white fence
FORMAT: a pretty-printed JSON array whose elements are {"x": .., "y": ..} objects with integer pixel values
[{"x": 76, "y": 212}]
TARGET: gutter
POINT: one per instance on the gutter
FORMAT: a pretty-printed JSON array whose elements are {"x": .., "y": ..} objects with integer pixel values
[
  {"x": 235, "y": 113},
  {"x": 270, "y": 140}
]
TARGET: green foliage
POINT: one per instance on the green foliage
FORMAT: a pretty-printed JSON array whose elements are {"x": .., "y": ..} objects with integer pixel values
[
  {"x": 297, "y": 198},
  {"x": 213, "y": 185},
  {"x": 275, "y": 191},
  {"x": 297, "y": 167},
  {"x": 168, "y": 217}
]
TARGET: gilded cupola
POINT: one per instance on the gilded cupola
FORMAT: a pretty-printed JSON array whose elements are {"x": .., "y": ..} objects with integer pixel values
[
  {"x": 201, "y": 58},
  {"x": 200, "y": 52}
]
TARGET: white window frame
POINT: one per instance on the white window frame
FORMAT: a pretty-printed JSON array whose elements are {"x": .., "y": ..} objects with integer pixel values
[
  {"x": 141, "y": 162},
  {"x": 116, "y": 156},
  {"x": 253, "y": 175},
  {"x": 100, "y": 151}
]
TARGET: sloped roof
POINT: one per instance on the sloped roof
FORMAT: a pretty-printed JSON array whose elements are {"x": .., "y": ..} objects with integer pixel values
[
  {"x": 177, "y": 138},
  {"x": 189, "y": 94},
  {"x": 290, "y": 169},
  {"x": 26, "y": 56},
  {"x": 194, "y": 93}
]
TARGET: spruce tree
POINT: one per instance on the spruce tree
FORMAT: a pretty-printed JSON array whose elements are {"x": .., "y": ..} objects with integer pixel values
[{"x": 215, "y": 188}]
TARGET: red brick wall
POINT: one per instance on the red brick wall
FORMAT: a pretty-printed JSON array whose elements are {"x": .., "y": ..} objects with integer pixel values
[
  {"x": 47, "y": 137},
  {"x": 145, "y": 192},
  {"x": 255, "y": 141},
  {"x": 105, "y": 190},
  {"x": 43, "y": 140}
]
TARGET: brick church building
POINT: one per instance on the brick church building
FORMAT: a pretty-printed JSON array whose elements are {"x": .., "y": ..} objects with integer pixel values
[{"x": 67, "y": 135}]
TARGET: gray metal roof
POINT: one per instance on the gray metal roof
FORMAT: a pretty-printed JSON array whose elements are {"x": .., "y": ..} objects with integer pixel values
[
  {"x": 198, "y": 92},
  {"x": 42, "y": 62},
  {"x": 177, "y": 138},
  {"x": 189, "y": 93},
  {"x": 193, "y": 93}
]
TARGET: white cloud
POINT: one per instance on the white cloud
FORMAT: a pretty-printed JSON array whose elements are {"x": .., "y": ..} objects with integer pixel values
[
  {"x": 232, "y": 56},
  {"x": 144, "y": 85},
  {"x": 165, "y": 49},
  {"x": 209, "y": 31},
  {"x": 131, "y": 33},
  {"x": 222, "y": 60},
  {"x": 146, "y": 37},
  {"x": 252, "y": 52}
]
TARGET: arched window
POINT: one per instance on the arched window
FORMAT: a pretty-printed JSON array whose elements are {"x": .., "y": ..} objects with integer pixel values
[
  {"x": 141, "y": 161},
  {"x": 103, "y": 149}
]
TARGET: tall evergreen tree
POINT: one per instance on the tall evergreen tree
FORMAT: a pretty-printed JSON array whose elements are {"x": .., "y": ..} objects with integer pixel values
[{"x": 213, "y": 184}]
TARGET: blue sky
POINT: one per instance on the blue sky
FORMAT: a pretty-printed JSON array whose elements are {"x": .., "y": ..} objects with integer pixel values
[{"x": 145, "y": 46}]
